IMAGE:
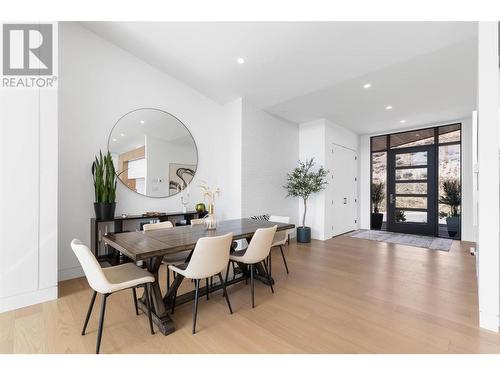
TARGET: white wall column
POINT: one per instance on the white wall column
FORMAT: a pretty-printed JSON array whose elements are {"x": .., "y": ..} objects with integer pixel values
[
  {"x": 28, "y": 195},
  {"x": 488, "y": 183}
]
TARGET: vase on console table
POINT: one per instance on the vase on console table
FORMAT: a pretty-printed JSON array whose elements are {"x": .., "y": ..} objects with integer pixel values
[{"x": 210, "y": 221}]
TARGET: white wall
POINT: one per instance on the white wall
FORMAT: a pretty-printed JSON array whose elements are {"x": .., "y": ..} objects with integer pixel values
[
  {"x": 315, "y": 139},
  {"x": 270, "y": 149},
  {"x": 99, "y": 82},
  {"x": 230, "y": 140},
  {"x": 341, "y": 136},
  {"x": 488, "y": 102},
  {"x": 28, "y": 197},
  {"x": 466, "y": 159},
  {"x": 312, "y": 144}
]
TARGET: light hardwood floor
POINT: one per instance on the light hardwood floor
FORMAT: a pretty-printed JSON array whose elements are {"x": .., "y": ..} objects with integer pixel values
[{"x": 344, "y": 295}]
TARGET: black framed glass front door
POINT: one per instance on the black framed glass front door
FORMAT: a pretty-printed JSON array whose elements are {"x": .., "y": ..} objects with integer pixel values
[{"x": 411, "y": 185}]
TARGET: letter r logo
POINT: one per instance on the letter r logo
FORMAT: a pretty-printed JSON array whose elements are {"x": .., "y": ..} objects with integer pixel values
[{"x": 27, "y": 49}]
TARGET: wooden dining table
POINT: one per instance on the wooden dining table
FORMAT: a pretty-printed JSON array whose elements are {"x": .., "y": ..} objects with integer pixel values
[{"x": 152, "y": 246}]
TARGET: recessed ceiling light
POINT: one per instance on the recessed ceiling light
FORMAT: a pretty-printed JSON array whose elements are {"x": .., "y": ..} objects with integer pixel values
[
  {"x": 122, "y": 134},
  {"x": 388, "y": 108},
  {"x": 240, "y": 60},
  {"x": 142, "y": 121},
  {"x": 114, "y": 139},
  {"x": 367, "y": 85},
  {"x": 403, "y": 121}
]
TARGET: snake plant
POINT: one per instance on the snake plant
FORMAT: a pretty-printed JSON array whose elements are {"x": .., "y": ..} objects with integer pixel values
[{"x": 103, "y": 172}]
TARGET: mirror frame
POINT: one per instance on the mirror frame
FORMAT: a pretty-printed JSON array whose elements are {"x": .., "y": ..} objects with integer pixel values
[{"x": 168, "y": 113}]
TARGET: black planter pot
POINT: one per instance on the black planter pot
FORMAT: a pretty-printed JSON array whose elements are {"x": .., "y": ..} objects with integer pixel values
[
  {"x": 377, "y": 219},
  {"x": 104, "y": 211},
  {"x": 303, "y": 234},
  {"x": 452, "y": 224}
]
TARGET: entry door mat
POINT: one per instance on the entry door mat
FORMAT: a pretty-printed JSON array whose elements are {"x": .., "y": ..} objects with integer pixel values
[{"x": 433, "y": 243}]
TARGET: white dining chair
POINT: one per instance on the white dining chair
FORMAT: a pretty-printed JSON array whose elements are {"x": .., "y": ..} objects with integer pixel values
[
  {"x": 106, "y": 281},
  {"x": 176, "y": 258},
  {"x": 159, "y": 225},
  {"x": 210, "y": 257},
  {"x": 257, "y": 251},
  {"x": 196, "y": 222},
  {"x": 279, "y": 240}
]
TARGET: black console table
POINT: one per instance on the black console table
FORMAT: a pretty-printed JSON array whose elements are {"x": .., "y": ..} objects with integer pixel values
[{"x": 114, "y": 259}]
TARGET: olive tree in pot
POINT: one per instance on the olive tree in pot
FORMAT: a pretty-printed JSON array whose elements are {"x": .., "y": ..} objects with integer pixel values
[
  {"x": 378, "y": 195},
  {"x": 302, "y": 182},
  {"x": 104, "y": 175},
  {"x": 452, "y": 197}
]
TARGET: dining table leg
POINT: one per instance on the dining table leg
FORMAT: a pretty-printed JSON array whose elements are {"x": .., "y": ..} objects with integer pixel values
[{"x": 160, "y": 314}]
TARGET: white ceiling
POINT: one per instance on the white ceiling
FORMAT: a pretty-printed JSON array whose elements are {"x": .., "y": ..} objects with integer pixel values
[{"x": 307, "y": 70}]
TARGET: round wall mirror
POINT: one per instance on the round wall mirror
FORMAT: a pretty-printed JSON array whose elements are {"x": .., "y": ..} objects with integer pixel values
[{"x": 154, "y": 153}]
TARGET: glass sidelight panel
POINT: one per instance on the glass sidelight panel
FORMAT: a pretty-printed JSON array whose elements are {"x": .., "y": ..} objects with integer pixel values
[
  {"x": 411, "y": 202},
  {"x": 379, "y": 176},
  {"x": 411, "y": 188},
  {"x": 411, "y": 174},
  {"x": 411, "y": 159},
  {"x": 449, "y": 191}
]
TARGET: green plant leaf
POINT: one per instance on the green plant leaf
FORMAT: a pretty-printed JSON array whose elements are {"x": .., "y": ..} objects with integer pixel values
[{"x": 104, "y": 178}]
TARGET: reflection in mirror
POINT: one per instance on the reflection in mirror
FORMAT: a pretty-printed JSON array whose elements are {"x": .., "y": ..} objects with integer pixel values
[{"x": 153, "y": 151}]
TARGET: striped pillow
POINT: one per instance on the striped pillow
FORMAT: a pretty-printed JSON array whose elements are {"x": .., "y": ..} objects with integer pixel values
[{"x": 264, "y": 217}]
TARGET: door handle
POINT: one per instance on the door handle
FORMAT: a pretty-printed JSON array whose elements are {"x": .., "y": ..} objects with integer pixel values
[
  {"x": 345, "y": 200},
  {"x": 391, "y": 198}
]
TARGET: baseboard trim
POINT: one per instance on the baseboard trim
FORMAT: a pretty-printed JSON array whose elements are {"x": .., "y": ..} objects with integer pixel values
[
  {"x": 28, "y": 299},
  {"x": 70, "y": 273}
]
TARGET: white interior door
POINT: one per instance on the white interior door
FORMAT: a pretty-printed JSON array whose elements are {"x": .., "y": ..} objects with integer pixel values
[{"x": 342, "y": 211}]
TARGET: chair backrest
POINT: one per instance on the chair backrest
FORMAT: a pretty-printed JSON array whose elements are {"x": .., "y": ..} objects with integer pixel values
[
  {"x": 210, "y": 256},
  {"x": 91, "y": 267},
  {"x": 160, "y": 225},
  {"x": 260, "y": 245},
  {"x": 280, "y": 236},
  {"x": 196, "y": 221}
]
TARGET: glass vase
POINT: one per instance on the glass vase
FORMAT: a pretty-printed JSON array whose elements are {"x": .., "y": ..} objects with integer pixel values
[{"x": 210, "y": 221}]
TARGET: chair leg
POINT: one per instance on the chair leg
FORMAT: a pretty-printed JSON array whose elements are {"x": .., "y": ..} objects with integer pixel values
[
  {"x": 284, "y": 260},
  {"x": 234, "y": 271},
  {"x": 252, "y": 285},
  {"x": 268, "y": 277},
  {"x": 134, "y": 294},
  {"x": 270, "y": 261},
  {"x": 195, "y": 305},
  {"x": 223, "y": 282},
  {"x": 101, "y": 322},
  {"x": 227, "y": 275},
  {"x": 208, "y": 286},
  {"x": 89, "y": 312},
  {"x": 148, "y": 305}
]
